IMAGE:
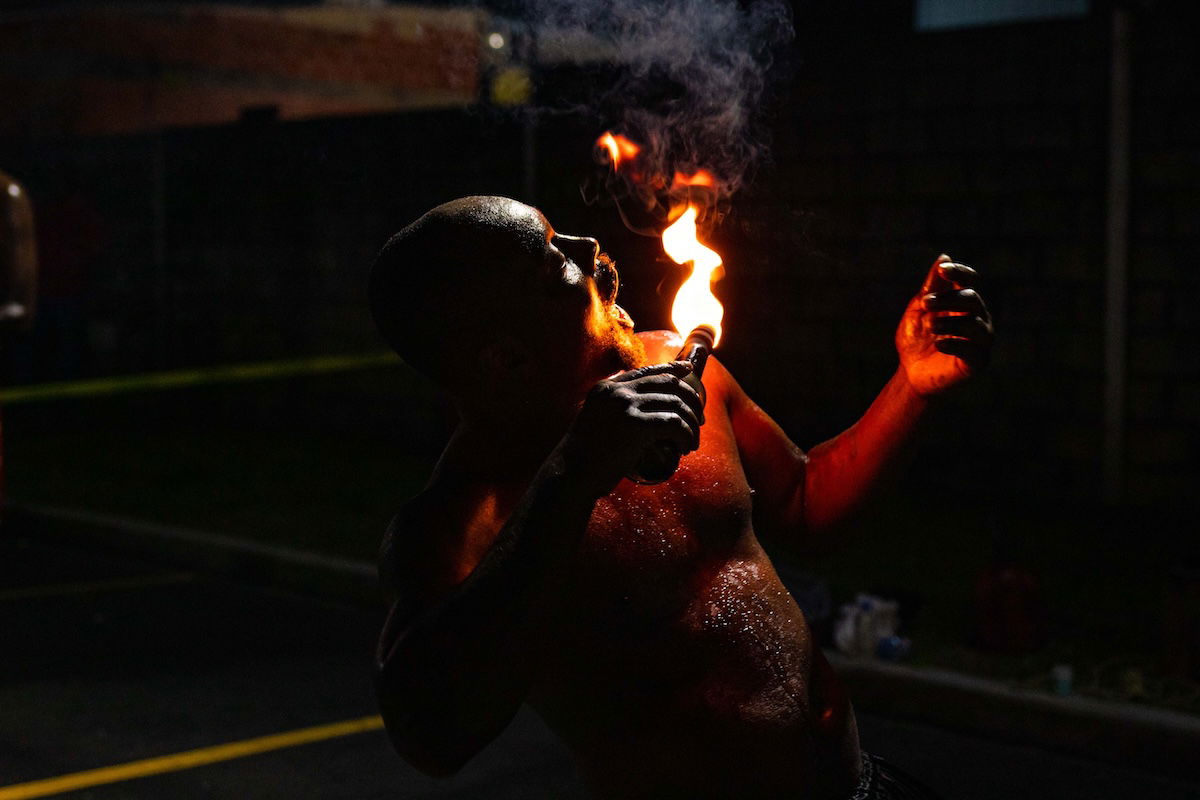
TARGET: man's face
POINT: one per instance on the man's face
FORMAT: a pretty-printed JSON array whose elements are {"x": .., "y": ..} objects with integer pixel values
[{"x": 571, "y": 319}]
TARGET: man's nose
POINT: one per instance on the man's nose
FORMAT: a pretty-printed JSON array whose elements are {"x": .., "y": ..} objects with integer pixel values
[{"x": 582, "y": 249}]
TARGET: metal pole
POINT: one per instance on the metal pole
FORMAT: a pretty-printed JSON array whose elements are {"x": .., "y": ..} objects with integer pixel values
[
  {"x": 1117, "y": 259},
  {"x": 158, "y": 215},
  {"x": 158, "y": 247}
]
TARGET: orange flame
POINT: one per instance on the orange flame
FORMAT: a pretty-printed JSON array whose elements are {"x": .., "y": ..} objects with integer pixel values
[
  {"x": 695, "y": 303},
  {"x": 619, "y": 148},
  {"x": 700, "y": 177}
]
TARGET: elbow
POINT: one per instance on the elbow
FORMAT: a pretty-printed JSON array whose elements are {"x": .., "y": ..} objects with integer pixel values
[
  {"x": 437, "y": 719},
  {"x": 426, "y": 755},
  {"x": 426, "y": 745}
]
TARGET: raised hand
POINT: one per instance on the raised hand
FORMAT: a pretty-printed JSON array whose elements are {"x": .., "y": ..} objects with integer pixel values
[{"x": 945, "y": 335}]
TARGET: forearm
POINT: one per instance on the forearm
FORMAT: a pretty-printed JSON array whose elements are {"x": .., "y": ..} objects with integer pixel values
[
  {"x": 451, "y": 678},
  {"x": 846, "y": 472}
]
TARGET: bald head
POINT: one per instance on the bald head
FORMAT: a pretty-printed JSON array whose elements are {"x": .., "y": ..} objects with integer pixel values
[
  {"x": 482, "y": 295},
  {"x": 445, "y": 278}
]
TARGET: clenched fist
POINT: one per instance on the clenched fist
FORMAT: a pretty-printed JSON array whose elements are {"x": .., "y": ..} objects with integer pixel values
[{"x": 625, "y": 415}]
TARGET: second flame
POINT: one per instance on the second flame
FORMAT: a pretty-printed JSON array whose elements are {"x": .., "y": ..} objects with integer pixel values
[
  {"x": 695, "y": 303},
  {"x": 619, "y": 148}
]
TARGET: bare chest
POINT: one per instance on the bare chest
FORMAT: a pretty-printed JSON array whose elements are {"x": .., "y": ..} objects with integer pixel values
[
  {"x": 675, "y": 616},
  {"x": 653, "y": 548}
]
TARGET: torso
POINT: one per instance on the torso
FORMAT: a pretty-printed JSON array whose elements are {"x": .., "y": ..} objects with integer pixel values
[{"x": 678, "y": 663}]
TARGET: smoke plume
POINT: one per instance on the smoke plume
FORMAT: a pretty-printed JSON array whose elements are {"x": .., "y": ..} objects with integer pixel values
[{"x": 692, "y": 74}]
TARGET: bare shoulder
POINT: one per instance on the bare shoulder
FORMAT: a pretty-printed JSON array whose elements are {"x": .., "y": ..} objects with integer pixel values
[
  {"x": 720, "y": 382},
  {"x": 416, "y": 556}
]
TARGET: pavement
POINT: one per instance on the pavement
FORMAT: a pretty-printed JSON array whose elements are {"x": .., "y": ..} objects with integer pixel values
[
  {"x": 111, "y": 660},
  {"x": 122, "y": 672}
]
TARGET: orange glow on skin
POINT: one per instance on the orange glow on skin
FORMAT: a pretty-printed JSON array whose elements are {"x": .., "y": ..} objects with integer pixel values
[
  {"x": 695, "y": 303},
  {"x": 619, "y": 148}
]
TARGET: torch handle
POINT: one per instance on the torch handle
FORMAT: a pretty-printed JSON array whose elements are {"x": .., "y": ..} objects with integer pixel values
[{"x": 660, "y": 461}]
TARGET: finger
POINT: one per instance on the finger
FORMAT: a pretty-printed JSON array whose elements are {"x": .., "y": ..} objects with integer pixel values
[
  {"x": 662, "y": 382},
  {"x": 960, "y": 275},
  {"x": 964, "y": 326},
  {"x": 673, "y": 385},
  {"x": 975, "y": 354},
  {"x": 672, "y": 403},
  {"x": 934, "y": 276},
  {"x": 948, "y": 275},
  {"x": 665, "y": 425},
  {"x": 676, "y": 368},
  {"x": 693, "y": 399},
  {"x": 967, "y": 300}
]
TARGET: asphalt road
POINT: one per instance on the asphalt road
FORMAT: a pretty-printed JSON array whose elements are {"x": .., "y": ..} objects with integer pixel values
[{"x": 107, "y": 661}]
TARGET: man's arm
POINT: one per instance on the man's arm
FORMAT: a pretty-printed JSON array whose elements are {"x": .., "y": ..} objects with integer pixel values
[
  {"x": 450, "y": 676},
  {"x": 943, "y": 339}
]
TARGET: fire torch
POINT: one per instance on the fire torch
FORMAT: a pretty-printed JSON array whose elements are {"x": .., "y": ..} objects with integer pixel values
[
  {"x": 647, "y": 202},
  {"x": 695, "y": 309}
]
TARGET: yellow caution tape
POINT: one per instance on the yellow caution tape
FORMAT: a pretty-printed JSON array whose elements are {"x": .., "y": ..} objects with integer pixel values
[{"x": 203, "y": 376}]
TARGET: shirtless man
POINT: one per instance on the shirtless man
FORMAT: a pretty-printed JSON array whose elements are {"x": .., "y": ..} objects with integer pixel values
[{"x": 644, "y": 623}]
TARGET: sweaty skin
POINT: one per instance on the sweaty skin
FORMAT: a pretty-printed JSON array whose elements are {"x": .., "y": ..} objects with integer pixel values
[
  {"x": 683, "y": 665},
  {"x": 645, "y": 623}
]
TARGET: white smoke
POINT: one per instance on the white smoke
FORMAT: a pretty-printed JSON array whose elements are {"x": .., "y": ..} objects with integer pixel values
[{"x": 692, "y": 75}]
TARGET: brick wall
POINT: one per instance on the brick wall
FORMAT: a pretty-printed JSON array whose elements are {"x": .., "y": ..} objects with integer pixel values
[{"x": 102, "y": 70}]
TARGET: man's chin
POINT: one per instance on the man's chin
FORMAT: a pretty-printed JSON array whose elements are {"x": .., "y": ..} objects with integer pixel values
[{"x": 627, "y": 349}]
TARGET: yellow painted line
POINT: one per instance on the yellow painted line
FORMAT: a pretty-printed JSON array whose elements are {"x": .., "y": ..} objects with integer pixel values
[
  {"x": 228, "y": 373},
  {"x": 187, "y": 759},
  {"x": 91, "y": 587}
]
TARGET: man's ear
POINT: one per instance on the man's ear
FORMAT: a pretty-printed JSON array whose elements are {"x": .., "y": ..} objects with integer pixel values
[{"x": 504, "y": 357}]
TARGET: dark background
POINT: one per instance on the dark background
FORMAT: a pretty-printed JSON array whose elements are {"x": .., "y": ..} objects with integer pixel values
[
  {"x": 251, "y": 241},
  {"x": 888, "y": 147}
]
